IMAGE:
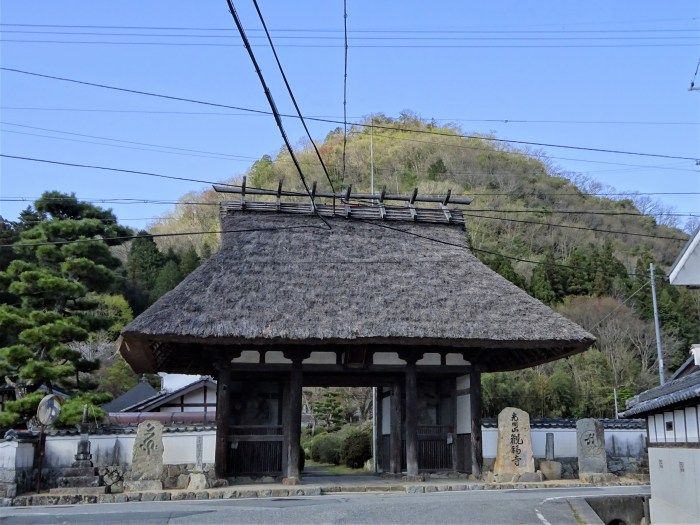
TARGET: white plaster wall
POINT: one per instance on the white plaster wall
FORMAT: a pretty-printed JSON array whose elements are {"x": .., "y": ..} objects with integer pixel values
[
  {"x": 179, "y": 447},
  {"x": 386, "y": 414},
  {"x": 15, "y": 455},
  {"x": 627, "y": 442},
  {"x": 464, "y": 410},
  {"x": 674, "y": 491}
]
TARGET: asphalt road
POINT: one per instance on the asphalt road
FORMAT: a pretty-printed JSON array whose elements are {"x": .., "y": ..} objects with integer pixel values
[{"x": 516, "y": 507}]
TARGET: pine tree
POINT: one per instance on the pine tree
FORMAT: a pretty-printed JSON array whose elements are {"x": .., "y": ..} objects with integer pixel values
[{"x": 56, "y": 286}]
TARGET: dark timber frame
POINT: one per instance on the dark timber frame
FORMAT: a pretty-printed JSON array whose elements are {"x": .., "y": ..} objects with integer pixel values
[{"x": 378, "y": 295}]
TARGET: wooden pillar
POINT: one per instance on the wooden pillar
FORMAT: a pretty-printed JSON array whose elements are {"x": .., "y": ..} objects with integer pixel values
[
  {"x": 294, "y": 424},
  {"x": 475, "y": 403},
  {"x": 411, "y": 419},
  {"x": 455, "y": 441},
  {"x": 285, "y": 424},
  {"x": 378, "y": 400},
  {"x": 223, "y": 411},
  {"x": 395, "y": 428}
]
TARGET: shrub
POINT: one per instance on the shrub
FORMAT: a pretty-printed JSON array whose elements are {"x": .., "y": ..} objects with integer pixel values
[
  {"x": 326, "y": 449},
  {"x": 356, "y": 448}
]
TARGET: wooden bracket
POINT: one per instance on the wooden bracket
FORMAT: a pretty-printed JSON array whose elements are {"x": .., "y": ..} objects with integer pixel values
[
  {"x": 279, "y": 195},
  {"x": 348, "y": 192},
  {"x": 413, "y": 197},
  {"x": 313, "y": 196},
  {"x": 243, "y": 193},
  {"x": 447, "y": 213},
  {"x": 447, "y": 198}
]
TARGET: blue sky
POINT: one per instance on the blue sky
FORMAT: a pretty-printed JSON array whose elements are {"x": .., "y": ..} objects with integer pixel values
[{"x": 598, "y": 74}]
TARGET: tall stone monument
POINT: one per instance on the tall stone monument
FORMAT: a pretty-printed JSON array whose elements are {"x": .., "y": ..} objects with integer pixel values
[
  {"x": 590, "y": 444},
  {"x": 514, "y": 459},
  {"x": 147, "y": 459}
]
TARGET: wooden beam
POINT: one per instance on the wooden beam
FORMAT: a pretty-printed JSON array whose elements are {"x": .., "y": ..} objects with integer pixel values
[
  {"x": 411, "y": 420},
  {"x": 223, "y": 411},
  {"x": 294, "y": 424},
  {"x": 395, "y": 428},
  {"x": 285, "y": 424},
  {"x": 475, "y": 403}
]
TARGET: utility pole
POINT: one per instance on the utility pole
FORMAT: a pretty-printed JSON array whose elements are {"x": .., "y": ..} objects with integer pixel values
[
  {"x": 659, "y": 350},
  {"x": 371, "y": 157}
]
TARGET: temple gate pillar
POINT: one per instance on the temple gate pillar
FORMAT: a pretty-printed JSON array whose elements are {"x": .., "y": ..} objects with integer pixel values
[
  {"x": 223, "y": 412},
  {"x": 475, "y": 402},
  {"x": 395, "y": 454},
  {"x": 293, "y": 420},
  {"x": 411, "y": 419}
]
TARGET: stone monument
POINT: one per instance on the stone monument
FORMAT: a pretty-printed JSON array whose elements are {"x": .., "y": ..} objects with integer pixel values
[
  {"x": 514, "y": 459},
  {"x": 590, "y": 445},
  {"x": 147, "y": 459}
]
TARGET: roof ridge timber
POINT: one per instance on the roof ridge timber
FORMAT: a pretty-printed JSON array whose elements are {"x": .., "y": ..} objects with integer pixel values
[{"x": 375, "y": 208}]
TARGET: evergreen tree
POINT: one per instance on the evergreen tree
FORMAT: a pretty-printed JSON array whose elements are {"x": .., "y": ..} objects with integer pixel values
[
  {"x": 168, "y": 278},
  {"x": 56, "y": 286},
  {"x": 189, "y": 261}
]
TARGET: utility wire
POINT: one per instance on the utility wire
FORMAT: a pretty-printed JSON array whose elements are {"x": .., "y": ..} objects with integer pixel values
[
  {"x": 491, "y": 120},
  {"x": 247, "y": 230},
  {"x": 362, "y": 46},
  {"x": 548, "y": 224},
  {"x": 273, "y": 107},
  {"x": 291, "y": 95},
  {"x": 135, "y": 172},
  {"x": 390, "y": 128}
]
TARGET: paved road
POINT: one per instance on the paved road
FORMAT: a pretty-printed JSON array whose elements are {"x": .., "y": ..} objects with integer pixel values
[{"x": 516, "y": 507}]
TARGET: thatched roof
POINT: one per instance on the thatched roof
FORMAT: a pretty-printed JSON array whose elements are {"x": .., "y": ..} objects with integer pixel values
[{"x": 284, "y": 281}]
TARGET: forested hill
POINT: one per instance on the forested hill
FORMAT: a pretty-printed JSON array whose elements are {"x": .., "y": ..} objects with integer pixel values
[{"x": 555, "y": 234}]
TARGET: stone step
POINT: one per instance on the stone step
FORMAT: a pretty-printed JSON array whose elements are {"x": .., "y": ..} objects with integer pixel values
[
  {"x": 78, "y": 490},
  {"x": 79, "y": 481}
]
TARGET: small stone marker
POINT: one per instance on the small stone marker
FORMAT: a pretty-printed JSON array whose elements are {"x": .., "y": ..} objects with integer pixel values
[
  {"x": 147, "y": 462},
  {"x": 590, "y": 444},
  {"x": 200, "y": 446},
  {"x": 550, "y": 469},
  {"x": 514, "y": 454}
]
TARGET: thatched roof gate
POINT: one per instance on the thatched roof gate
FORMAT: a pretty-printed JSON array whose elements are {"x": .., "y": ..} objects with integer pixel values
[{"x": 398, "y": 280}]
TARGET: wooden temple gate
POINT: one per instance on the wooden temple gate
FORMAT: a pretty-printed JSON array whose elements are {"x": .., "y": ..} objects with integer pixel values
[
  {"x": 346, "y": 293},
  {"x": 422, "y": 417}
]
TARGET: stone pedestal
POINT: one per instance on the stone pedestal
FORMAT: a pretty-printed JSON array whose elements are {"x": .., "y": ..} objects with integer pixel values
[{"x": 550, "y": 469}]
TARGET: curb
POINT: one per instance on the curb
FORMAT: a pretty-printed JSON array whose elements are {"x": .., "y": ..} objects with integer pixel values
[{"x": 274, "y": 492}]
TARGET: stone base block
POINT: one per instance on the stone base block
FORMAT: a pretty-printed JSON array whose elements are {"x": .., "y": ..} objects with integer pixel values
[
  {"x": 79, "y": 481},
  {"x": 291, "y": 481},
  {"x": 588, "y": 477},
  {"x": 550, "y": 469},
  {"x": 198, "y": 481},
  {"x": 143, "y": 485},
  {"x": 73, "y": 472},
  {"x": 78, "y": 490},
  {"x": 530, "y": 477}
]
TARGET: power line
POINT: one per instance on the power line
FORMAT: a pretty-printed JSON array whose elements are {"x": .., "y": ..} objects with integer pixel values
[
  {"x": 188, "y": 150},
  {"x": 491, "y": 120},
  {"x": 378, "y": 126},
  {"x": 135, "y": 172},
  {"x": 273, "y": 107},
  {"x": 291, "y": 95},
  {"x": 597, "y": 230},
  {"x": 360, "y": 46}
]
